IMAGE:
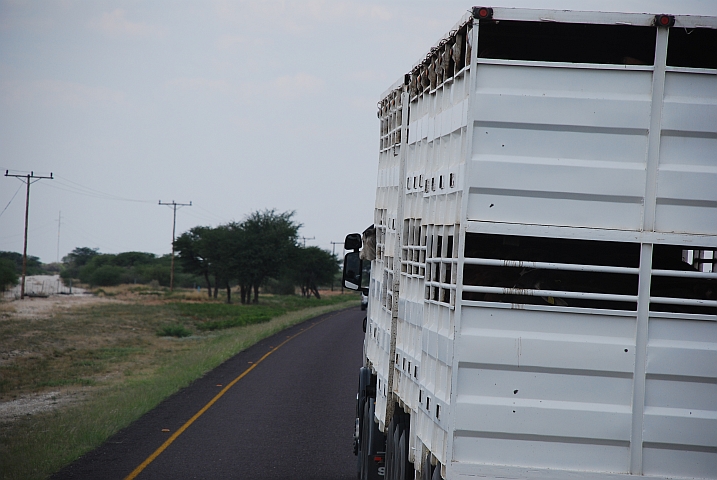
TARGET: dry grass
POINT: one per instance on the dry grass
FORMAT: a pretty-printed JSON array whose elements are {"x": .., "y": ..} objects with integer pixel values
[{"x": 63, "y": 365}]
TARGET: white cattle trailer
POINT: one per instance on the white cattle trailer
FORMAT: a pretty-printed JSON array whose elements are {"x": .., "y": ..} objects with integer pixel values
[{"x": 543, "y": 302}]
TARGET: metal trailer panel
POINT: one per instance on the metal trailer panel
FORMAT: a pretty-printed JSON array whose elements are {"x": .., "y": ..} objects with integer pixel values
[
  {"x": 537, "y": 149},
  {"x": 686, "y": 193},
  {"x": 559, "y": 146}
]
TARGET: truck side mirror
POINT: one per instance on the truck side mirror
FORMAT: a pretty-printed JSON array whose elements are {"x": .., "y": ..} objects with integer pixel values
[
  {"x": 352, "y": 271},
  {"x": 352, "y": 241}
]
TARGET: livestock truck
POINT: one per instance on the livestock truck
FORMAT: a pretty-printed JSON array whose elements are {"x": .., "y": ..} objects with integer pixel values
[{"x": 542, "y": 292}]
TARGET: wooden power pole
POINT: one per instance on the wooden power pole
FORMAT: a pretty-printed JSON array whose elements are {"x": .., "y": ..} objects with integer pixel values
[
  {"x": 174, "y": 206},
  {"x": 27, "y": 179},
  {"x": 333, "y": 253}
]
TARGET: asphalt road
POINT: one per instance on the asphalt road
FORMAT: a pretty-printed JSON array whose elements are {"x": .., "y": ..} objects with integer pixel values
[{"x": 290, "y": 417}]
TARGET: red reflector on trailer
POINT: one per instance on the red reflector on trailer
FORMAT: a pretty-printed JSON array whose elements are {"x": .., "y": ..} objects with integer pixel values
[
  {"x": 482, "y": 13},
  {"x": 664, "y": 20},
  {"x": 378, "y": 459}
]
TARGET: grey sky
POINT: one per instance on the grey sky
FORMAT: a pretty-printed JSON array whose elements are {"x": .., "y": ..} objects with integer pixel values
[{"x": 234, "y": 105}]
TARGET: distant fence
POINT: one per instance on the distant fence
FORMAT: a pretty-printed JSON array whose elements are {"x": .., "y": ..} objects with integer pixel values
[{"x": 42, "y": 286}]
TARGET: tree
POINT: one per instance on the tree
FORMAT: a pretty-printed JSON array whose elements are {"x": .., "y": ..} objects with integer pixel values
[
  {"x": 76, "y": 259},
  {"x": 133, "y": 259},
  {"x": 267, "y": 241},
  {"x": 248, "y": 252},
  {"x": 193, "y": 251},
  {"x": 221, "y": 255},
  {"x": 106, "y": 276},
  {"x": 103, "y": 261},
  {"x": 34, "y": 266},
  {"x": 209, "y": 252},
  {"x": 8, "y": 274},
  {"x": 312, "y": 267}
]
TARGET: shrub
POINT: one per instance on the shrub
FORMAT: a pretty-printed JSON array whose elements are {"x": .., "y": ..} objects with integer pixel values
[
  {"x": 8, "y": 277},
  {"x": 237, "y": 321},
  {"x": 106, "y": 276},
  {"x": 173, "y": 331}
]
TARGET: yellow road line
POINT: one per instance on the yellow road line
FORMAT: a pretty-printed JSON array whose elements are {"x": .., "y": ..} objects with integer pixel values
[{"x": 224, "y": 390}]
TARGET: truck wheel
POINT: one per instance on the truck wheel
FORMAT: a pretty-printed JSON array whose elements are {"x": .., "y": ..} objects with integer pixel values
[
  {"x": 372, "y": 444},
  {"x": 364, "y": 443},
  {"x": 396, "y": 468},
  {"x": 402, "y": 463},
  {"x": 390, "y": 449}
]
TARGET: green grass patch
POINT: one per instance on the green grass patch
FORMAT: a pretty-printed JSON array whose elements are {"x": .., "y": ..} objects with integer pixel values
[
  {"x": 218, "y": 316},
  {"x": 233, "y": 322},
  {"x": 174, "y": 331}
]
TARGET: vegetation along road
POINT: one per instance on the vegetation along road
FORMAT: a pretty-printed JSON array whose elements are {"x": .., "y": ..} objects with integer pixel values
[{"x": 283, "y": 408}]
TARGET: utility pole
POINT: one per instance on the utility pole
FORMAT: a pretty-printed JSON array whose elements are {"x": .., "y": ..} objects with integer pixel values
[
  {"x": 28, "y": 180},
  {"x": 307, "y": 238},
  {"x": 59, "y": 223},
  {"x": 333, "y": 252},
  {"x": 174, "y": 206}
]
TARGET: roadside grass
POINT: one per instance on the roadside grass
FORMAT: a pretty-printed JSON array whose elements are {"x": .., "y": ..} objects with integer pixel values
[
  {"x": 117, "y": 367},
  {"x": 178, "y": 331}
]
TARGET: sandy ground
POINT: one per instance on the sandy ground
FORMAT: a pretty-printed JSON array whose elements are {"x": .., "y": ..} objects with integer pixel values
[
  {"x": 42, "y": 307},
  {"x": 32, "y": 404},
  {"x": 42, "y": 286},
  {"x": 36, "y": 308}
]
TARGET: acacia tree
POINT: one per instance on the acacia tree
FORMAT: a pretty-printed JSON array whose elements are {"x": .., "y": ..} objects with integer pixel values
[
  {"x": 248, "y": 252},
  {"x": 313, "y": 266},
  {"x": 34, "y": 266},
  {"x": 237, "y": 265},
  {"x": 222, "y": 253},
  {"x": 193, "y": 252},
  {"x": 75, "y": 260},
  {"x": 267, "y": 241}
]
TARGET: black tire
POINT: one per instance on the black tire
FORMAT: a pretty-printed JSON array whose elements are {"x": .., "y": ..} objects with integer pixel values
[
  {"x": 360, "y": 414},
  {"x": 364, "y": 444},
  {"x": 398, "y": 467},
  {"x": 396, "y": 452},
  {"x": 372, "y": 441},
  {"x": 402, "y": 457},
  {"x": 390, "y": 448}
]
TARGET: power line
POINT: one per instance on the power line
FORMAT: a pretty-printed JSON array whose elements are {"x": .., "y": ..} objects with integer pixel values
[
  {"x": 59, "y": 224},
  {"x": 78, "y": 189},
  {"x": 307, "y": 238},
  {"x": 28, "y": 179},
  {"x": 219, "y": 218},
  {"x": 174, "y": 206},
  {"x": 13, "y": 198},
  {"x": 101, "y": 243}
]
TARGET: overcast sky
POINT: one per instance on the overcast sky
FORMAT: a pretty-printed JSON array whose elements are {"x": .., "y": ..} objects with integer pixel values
[{"x": 235, "y": 106}]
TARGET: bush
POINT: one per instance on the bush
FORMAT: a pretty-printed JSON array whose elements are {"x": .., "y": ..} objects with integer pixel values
[
  {"x": 8, "y": 276},
  {"x": 106, "y": 276},
  {"x": 238, "y": 321},
  {"x": 173, "y": 331},
  {"x": 160, "y": 273}
]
